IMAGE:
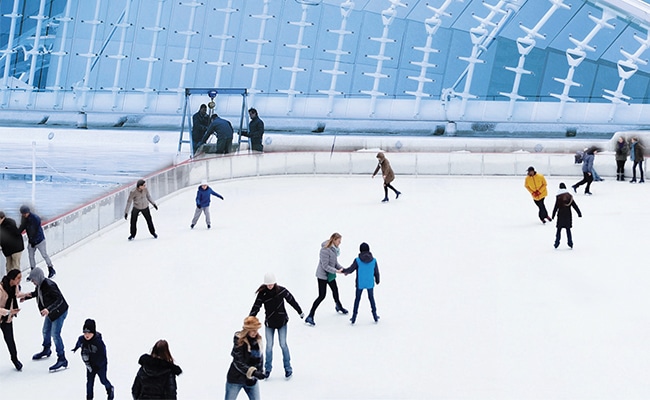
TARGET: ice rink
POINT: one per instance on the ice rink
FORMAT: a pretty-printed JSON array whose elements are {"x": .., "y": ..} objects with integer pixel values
[{"x": 475, "y": 302}]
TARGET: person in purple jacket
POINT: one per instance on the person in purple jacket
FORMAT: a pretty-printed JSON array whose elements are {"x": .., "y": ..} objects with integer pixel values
[
  {"x": 203, "y": 203},
  {"x": 367, "y": 276}
]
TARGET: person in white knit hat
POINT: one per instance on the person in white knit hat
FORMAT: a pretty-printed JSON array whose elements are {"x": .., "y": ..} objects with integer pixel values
[
  {"x": 203, "y": 194},
  {"x": 272, "y": 296}
]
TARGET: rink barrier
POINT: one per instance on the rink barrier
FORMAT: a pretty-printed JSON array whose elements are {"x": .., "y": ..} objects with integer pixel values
[{"x": 69, "y": 229}]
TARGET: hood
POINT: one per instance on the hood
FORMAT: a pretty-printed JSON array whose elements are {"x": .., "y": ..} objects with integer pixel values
[
  {"x": 36, "y": 275},
  {"x": 561, "y": 191},
  {"x": 366, "y": 256},
  {"x": 156, "y": 366}
]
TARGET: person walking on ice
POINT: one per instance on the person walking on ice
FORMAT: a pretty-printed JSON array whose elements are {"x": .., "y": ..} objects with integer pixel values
[
  {"x": 273, "y": 296},
  {"x": 31, "y": 224},
  {"x": 536, "y": 184},
  {"x": 387, "y": 174},
  {"x": 563, "y": 203},
  {"x": 140, "y": 199},
  {"x": 203, "y": 194},
  {"x": 367, "y": 276}
]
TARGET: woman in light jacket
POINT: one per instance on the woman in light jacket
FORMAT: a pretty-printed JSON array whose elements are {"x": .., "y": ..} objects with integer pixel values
[
  {"x": 328, "y": 267},
  {"x": 9, "y": 292}
]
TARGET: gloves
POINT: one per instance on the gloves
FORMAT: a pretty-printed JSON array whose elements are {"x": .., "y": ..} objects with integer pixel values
[
  {"x": 221, "y": 197},
  {"x": 75, "y": 349},
  {"x": 198, "y": 205},
  {"x": 155, "y": 206},
  {"x": 259, "y": 374},
  {"x": 125, "y": 215},
  {"x": 302, "y": 315}
]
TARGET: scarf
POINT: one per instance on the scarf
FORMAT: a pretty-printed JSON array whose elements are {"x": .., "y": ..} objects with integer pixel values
[{"x": 11, "y": 298}]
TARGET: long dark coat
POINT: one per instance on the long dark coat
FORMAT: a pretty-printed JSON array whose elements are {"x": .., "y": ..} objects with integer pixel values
[{"x": 563, "y": 203}]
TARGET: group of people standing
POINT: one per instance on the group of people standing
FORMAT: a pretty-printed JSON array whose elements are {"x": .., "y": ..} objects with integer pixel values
[
  {"x": 205, "y": 125},
  {"x": 635, "y": 150}
]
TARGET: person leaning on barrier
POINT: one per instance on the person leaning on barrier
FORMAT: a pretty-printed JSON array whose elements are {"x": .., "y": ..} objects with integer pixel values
[{"x": 222, "y": 129}]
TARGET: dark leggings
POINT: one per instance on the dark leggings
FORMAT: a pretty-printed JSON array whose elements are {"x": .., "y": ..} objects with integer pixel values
[
  {"x": 322, "y": 290},
  {"x": 90, "y": 380},
  {"x": 8, "y": 333},
  {"x": 146, "y": 213},
  {"x": 620, "y": 167},
  {"x": 558, "y": 236},
  {"x": 542, "y": 214},
  {"x": 640, "y": 164},
  {"x": 386, "y": 187}
]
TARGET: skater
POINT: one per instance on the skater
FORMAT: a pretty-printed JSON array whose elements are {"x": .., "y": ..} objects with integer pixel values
[
  {"x": 536, "y": 185},
  {"x": 563, "y": 203},
  {"x": 622, "y": 149},
  {"x": 587, "y": 165},
  {"x": 255, "y": 131},
  {"x": 140, "y": 198},
  {"x": 9, "y": 292},
  {"x": 246, "y": 366},
  {"x": 222, "y": 129},
  {"x": 367, "y": 276},
  {"x": 272, "y": 296},
  {"x": 31, "y": 223},
  {"x": 328, "y": 267},
  {"x": 200, "y": 122},
  {"x": 93, "y": 354},
  {"x": 11, "y": 242},
  {"x": 203, "y": 194},
  {"x": 636, "y": 155},
  {"x": 156, "y": 378},
  {"x": 387, "y": 174},
  {"x": 55, "y": 309}
]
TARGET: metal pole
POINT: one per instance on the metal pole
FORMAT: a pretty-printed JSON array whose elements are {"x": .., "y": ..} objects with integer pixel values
[{"x": 33, "y": 173}]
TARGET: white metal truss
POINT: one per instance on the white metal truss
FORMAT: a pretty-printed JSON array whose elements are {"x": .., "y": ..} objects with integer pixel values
[
  {"x": 431, "y": 25},
  {"x": 576, "y": 56},
  {"x": 291, "y": 92},
  {"x": 8, "y": 51},
  {"x": 151, "y": 59},
  {"x": 260, "y": 41},
  {"x": 345, "y": 9},
  {"x": 123, "y": 25},
  {"x": 223, "y": 38},
  {"x": 525, "y": 45},
  {"x": 387, "y": 16},
  {"x": 60, "y": 54},
  {"x": 84, "y": 85},
  {"x": 35, "y": 52},
  {"x": 188, "y": 33}
]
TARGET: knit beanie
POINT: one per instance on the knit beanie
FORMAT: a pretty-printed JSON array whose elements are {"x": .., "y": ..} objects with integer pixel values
[
  {"x": 251, "y": 323},
  {"x": 364, "y": 247},
  {"x": 269, "y": 278},
  {"x": 24, "y": 209},
  {"x": 89, "y": 326},
  {"x": 562, "y": 185}
]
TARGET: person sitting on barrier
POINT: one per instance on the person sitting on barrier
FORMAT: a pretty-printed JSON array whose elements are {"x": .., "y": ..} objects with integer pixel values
[{"x": 222, "y": 129}]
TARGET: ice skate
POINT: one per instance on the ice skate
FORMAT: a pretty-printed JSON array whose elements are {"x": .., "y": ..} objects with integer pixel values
[
  {"x": 46, "y": 352},
  {"x": 61, "y": 363}
]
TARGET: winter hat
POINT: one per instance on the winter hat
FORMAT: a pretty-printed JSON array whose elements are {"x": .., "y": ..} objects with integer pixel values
[
  {"x": 89, "y": 326},
  {"x": 531, "y": 168},
  {"x": 24, "y": 209},
  {"x": 269, "y": 278},
  {"x": 251, "y": 323},
  {"x": 364, "y": 247},
  {"x": 36, "y": 275},
  {"x": 562, "y": 185},
  {"x": 204, "y": 182}
]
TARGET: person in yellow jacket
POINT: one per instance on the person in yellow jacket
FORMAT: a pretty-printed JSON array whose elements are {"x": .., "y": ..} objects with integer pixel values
[{"x": 536, "y": 185}]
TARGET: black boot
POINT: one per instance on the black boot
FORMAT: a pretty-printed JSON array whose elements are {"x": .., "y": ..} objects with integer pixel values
[
  {"x": 17, "y": 364},
  {"x": 46, "y": 352},
  {"x": 111, "y": 393},
  {"x": 61, "y": 362},
  {"x": 51, "y": 272}
]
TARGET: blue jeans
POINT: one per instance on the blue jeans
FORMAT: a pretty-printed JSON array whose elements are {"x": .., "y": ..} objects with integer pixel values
[
  {"x": 232, "y": 390},
  {"x": 371, "y": 298},
  {"x": 90, "y": 380},
  {"x": 52, "y": 329},
  {"x": 282, "y": 337}
]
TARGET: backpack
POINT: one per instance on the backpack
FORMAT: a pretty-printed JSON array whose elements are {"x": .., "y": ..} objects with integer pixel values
[{"x": 579, "y": 156}]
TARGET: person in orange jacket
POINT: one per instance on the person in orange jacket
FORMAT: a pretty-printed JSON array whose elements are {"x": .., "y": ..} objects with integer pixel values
[{"x": 536, "y": 185}]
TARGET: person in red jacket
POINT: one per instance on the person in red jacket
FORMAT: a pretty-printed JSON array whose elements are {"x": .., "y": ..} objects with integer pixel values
[{"x": 536, "y": 184}]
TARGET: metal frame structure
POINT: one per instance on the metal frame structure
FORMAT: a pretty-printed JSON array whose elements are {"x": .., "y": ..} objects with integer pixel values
[{"x": 212, "y": 93}]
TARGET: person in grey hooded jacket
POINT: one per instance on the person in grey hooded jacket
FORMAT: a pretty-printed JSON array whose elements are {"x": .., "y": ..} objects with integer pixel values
[
  {"x": 54, "y": 308},
  {"x": 328, "y": 267},
  {"x": 587, "y": 167}
]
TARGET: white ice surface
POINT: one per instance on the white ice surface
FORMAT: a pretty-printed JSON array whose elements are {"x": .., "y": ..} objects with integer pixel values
[{"x": 475, "y": 302}]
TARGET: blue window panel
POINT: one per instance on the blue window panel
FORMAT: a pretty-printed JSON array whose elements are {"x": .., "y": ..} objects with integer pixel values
[
  {"x": 626, "y": 42},
  {"x": 372, "y": 27},
  {"x": 420, "y": 11},
  {"x": 606, "y": 78},
  {"x": 557, "y": 67},
  {"x": 321, "y": 80},
  {"x": 530, "y": 14},
  {"x": 327, "y": 40},
  {"x": 287, "y": 34}
]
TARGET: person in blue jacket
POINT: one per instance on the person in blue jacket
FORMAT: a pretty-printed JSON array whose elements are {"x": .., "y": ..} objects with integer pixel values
[
  {"x": 93, "y": 354},
  {"x": 222, "y": 129},
  {"x": 203, "y": 203},
  {"x": 31, "y": 224},
  {"x": 587, "y": 167},
  {"x": 367, "y": 276}
]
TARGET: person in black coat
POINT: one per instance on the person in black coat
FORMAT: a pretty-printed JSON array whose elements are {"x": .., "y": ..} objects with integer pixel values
[
  {"x": 563, "y": 203},
  {"x": 11, "y": 242},
  {"x": 9, "y": 293},
  {"x": 93, "y": 354},
  {"x": 272, "y": 296},
  {"x": 200, "y": 122},
  {"x": 246, "y": 366},
  {"x": 255, "y": 130},
  {"x": 156, "y": 378},
  {"x": 54, "y": 308}
]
